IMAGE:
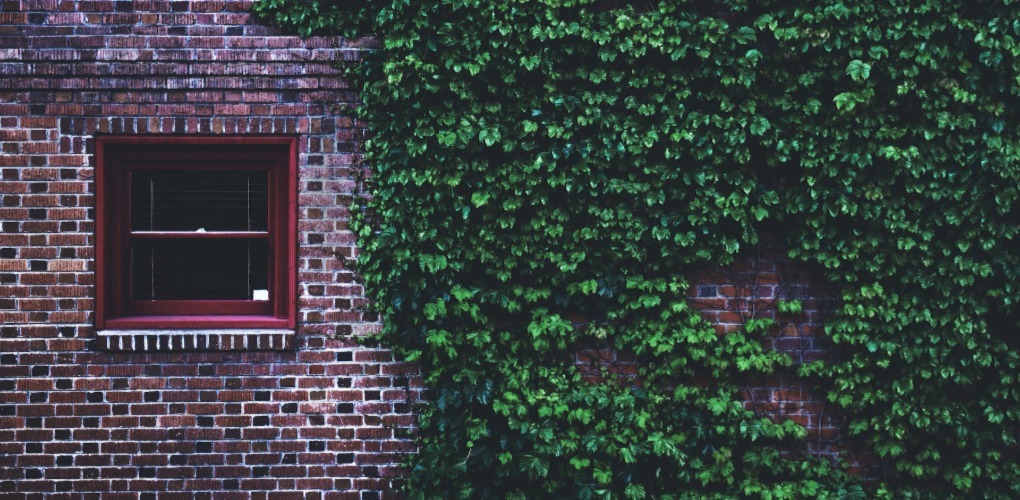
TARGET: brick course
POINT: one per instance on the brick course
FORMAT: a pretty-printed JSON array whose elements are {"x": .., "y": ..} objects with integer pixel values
[{"x": 82, "y": 415}]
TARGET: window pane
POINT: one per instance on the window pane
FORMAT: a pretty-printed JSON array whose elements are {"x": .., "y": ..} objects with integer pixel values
[
  {"x": 189, "y": 200},
  {"x": 199, "y": 269}
]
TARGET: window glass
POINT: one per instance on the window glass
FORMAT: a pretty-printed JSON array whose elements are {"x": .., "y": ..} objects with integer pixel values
[
  {"x": 199, "y": 269},
  {"x": 194, "y": 200}
]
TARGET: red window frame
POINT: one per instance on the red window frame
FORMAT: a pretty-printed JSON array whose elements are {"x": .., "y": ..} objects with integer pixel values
[{"x": 117, "y": 156}]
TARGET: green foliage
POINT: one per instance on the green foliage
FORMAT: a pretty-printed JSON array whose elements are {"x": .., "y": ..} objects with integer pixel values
[
  {"x": 908, "y": 196},
  {"x": 547, "y": 174}
]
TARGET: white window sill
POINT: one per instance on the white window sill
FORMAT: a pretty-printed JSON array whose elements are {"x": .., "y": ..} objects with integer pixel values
[{"x": 175, "y": 340}]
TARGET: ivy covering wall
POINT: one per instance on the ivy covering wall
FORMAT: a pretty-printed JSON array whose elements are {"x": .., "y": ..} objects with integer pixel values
[{"x": 547, "y": 176}]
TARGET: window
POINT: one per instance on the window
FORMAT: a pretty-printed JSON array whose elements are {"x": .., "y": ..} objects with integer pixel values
[{"x": 195, "y": 232}]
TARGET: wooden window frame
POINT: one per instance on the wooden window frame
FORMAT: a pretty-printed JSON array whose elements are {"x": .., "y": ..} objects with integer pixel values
[{"x": 117, "y": 156}]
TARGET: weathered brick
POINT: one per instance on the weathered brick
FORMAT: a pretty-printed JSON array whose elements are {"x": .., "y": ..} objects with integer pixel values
[{"x": 123, "y": 403}]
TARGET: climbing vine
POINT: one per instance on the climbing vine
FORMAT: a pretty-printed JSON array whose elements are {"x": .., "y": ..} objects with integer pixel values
[{"x": 548, "y": 176}]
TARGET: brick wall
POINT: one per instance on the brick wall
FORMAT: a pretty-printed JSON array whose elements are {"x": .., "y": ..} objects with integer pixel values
[
  {"x": 325, "y": 416},
  {"x": 750, "y": 288}
]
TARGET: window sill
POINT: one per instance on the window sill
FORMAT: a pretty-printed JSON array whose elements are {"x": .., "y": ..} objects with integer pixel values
[{"x": 175, "y": 340}]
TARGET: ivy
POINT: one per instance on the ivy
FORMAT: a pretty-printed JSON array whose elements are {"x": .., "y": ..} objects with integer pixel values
[{"x": 549, "y": 176}]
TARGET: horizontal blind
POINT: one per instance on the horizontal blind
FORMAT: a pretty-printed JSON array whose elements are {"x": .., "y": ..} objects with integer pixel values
[{"x": 192, "y": 200}]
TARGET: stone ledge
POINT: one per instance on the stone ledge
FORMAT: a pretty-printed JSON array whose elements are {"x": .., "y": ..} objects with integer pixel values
[{"x": 195, "y": 340}]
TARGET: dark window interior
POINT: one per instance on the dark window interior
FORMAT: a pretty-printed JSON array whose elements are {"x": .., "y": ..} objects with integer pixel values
[
  {"x": 199, "y": 269},
  {"x": 190, "y": 200}
]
